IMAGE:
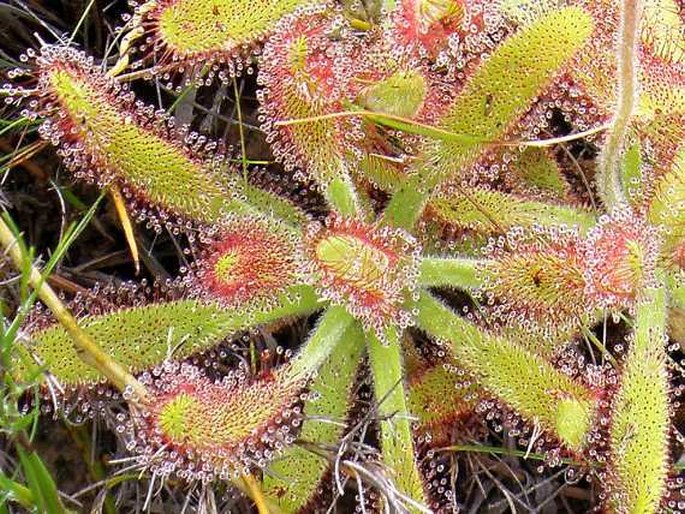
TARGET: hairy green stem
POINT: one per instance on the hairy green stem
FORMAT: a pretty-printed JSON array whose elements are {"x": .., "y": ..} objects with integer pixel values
[
  {"x": 293, "y": 479},
  {"x": 333, "y": 324},
  {"x": 396, "y": 437},
  {"x": 609, "y": 175},
  {"x": 406, "y": 204},
  {"x": 86, "y": 348},
  {"x": 677, "y": 293},
  {"x": 461, "y": 272},
  {"x": 343, "y": 198}
]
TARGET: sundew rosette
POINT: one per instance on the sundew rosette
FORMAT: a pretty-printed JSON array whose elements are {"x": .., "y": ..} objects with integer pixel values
[
  {"x": 248, "y": 259},
  {"x": 371, "y": 270},
  {"x": 196, "y": 428},
  {"x": 105, "y": 136}
]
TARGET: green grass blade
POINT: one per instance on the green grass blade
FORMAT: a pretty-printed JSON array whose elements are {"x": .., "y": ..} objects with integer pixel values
[
  {"x": 14, "y": 491},
  {"x": 40, "y": 482}
]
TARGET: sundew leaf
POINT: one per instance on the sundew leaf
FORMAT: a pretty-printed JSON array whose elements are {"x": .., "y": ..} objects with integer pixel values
[
  {"x": 141, "y": 337},
  {"x": 508, "y": 82},
  {"x": 305, "y": 75},
  {"x": 400, "y": 94},
  {"x": 294, "y": 479},
  {"x": 434, "y": 398},
  {"x": 498, "y": 93},
  {"x": 537, "y": 168},
  {"x": 518, "y": 377},
  {"x": 199, "y": 428},
  {"x": 640, "y": 424},
  {"x": 668, "y": 204},
  {"x": 104, "y": 136},
  {"x": 661, "y": 62},
  {"x": 491, "y": 212},
  {"x": 274, "y": 205},
  {"x": 383, "y": 172},
  {"x": 213, "y": 29}
]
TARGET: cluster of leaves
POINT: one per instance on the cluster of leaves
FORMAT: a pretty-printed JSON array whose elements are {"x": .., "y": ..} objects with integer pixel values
[{"x": 430, "y": 129}]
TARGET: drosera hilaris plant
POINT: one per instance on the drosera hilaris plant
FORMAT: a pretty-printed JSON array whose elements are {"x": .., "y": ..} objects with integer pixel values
[{"x": 465, "y": 194}]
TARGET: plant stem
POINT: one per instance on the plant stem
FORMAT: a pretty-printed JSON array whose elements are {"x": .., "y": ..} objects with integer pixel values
[
  {"x": 608, "y": 179},
  {"x": 458, "y": 272},
  {"x": 333, "y": 324},
  {"x": 293, "y": 479},
  {"x": 406, "y": 204},
  {"x": 86, "y": 348},
  {"x": 396, "y": 437},
  {"x": 677, "y": 292}
]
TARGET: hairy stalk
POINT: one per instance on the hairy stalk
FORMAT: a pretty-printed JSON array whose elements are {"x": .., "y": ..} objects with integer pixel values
[
  {"x": 341, "y": 195},
  {"x": 86, "y": 347},
  {"x": 293, "y": 479},
  {"x": 396, "y": 437},
  {"x": 334, "y": 323},
  {"x": 460, "y": 272},
  {"x": 609, "y": 176}
]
